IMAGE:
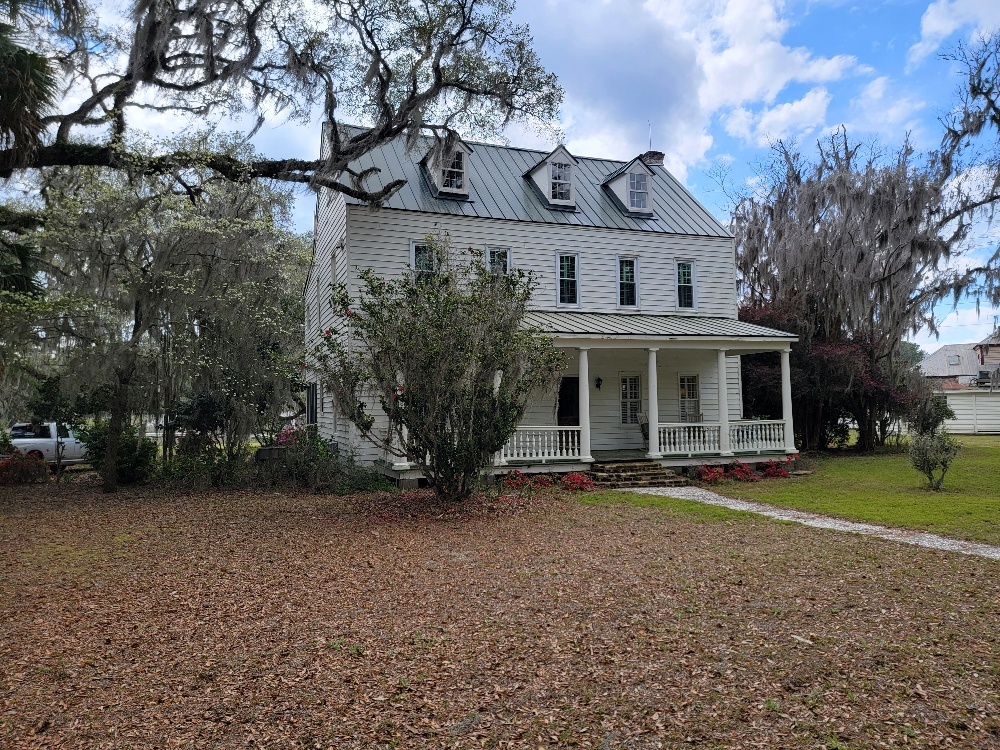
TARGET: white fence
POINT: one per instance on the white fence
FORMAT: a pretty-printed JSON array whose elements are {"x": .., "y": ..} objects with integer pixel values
[
  {"x": 756, "y": 436},
  {"x": 684, "y": 438},
  {"x": 542, "y": 444}
]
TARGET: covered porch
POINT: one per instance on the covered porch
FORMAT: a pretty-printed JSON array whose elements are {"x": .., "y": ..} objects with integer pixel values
[{"x": 665, "y": 388}]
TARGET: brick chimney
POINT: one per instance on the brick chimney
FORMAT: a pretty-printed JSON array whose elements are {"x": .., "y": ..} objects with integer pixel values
[{"x": 652, "y": 158}]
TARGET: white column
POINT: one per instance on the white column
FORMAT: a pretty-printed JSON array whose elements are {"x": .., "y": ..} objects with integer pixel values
[
  {"x": 652, "y": 406},
  {"x": 786, "y": 400},
  {"x": 584, "y": 373},
  {"x": 724, "y": 443},
  {"x": 399, "y": 463}
]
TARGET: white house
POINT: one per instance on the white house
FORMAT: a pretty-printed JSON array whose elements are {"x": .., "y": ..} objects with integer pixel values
[
  {"x": 975, "y": 397},
  {"x": 636, "y": 282}
]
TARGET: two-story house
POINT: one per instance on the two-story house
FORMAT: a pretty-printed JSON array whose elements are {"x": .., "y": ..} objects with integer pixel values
[{"x": 636, "y": 281}]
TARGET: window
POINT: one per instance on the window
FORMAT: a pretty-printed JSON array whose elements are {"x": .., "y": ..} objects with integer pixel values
[
  {"x": 690, "y": 399},
  {"x": 498, "y": 259},
  {"x": 627, "y": 287},
  {"x": 954, "y": 359},
  {"x": 631, "y": 399},
  {"x": 561, "y": 181},
  {"x": 685, "y": 284},
  {"x": 638, "y": 193},
  {"x": 453, "y": 175},
  {"x": 569, "y": 283},
  {"x": 423, "y": 259},
  {"x": 37, "y": 431}
]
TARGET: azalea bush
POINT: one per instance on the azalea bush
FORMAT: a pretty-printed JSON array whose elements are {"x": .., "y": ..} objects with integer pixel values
[
  {"x": 710, "y": 474},
  {"x": 436, "y": 366},
  {"x": 775, "y": 470},
  {"x": 577, "y": 482},
  {"x": 18, "y": 468}
]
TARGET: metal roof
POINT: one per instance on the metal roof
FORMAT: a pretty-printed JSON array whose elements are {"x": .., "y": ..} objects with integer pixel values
[
  {"x": 653, "y": 326},
  {"x": 936, "y": 365},
  {"x": 498, "y": 190}
]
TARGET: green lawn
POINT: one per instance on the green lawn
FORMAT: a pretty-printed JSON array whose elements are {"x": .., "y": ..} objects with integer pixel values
[{"x": 885, "y": 489}]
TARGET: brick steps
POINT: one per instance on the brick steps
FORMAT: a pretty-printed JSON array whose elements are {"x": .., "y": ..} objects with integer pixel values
[{"x": 639, "y": 473}]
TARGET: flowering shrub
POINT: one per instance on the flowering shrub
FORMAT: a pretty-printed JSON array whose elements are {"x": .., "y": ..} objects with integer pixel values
[
  {"x": 775, "y": 470},
  {"x": 20, "y": 469},
  {"x": 741, "y": 472},
  {"x": 577, "y": 482},
  {"x": 710, "y": 474},
  {"x": 525, "y": 484},
  {"x": 290, "y": 436}
]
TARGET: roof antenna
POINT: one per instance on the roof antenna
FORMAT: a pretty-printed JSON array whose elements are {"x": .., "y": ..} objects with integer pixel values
[{"x": 650, "y": 124}]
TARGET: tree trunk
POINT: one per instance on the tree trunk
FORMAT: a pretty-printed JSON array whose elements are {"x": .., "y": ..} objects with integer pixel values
[{"x": 119, "y": 410}]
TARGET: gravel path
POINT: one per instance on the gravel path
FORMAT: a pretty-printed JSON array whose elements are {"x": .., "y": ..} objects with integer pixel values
[{"x": 919, "y": 538}]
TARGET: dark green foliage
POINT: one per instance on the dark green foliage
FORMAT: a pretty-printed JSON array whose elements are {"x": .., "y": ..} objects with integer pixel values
[
  {"x": 304, "y": 459},
  {"x": 929, "y": 413},
  {"x": 136, "y": 453},
  {"x": 932, "y": 455}
]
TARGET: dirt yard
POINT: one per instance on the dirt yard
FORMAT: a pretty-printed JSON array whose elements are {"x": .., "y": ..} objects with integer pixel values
[{"x": 263, "y": 620}]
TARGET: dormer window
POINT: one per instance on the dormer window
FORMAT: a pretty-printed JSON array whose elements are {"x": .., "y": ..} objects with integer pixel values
[
  {"x": 562, "y": 181},
  {"x": 638, "y": 192},
  {"x": 453, "y": 175}
]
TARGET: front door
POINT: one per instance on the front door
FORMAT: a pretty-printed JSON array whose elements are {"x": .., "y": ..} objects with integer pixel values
[{"x": 568, "y": 409}]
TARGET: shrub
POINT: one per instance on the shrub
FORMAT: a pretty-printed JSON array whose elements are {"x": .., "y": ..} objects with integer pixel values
[
  {"x": 136, "y": 453},
  {"x": 525, "y": 484},
  {"x": 929, "y": 413},
  {"x": 577, "y": 482},
  {"x": 710, "y": 474},
  {"x": 6, "y": 447},
  {"x": 311, "y": 462},
  {"x": 933, "y": 453},
  {"x": 20, "y": 469},
  {"x": 774, "y": 470},
  {"x": 741, "y": 472}
]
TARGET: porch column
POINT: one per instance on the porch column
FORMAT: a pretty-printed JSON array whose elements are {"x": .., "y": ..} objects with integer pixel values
[
  {"x": 584, "y": 374},
  {"x": 399, "y": 463},
  {"x": 653, "y": 406},
  {"x": 725, "y": 445},
  {"x": 786, "y": 400}
]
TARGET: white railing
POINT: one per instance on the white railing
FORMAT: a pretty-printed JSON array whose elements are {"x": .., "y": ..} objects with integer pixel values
[
  {"x": 756, "y": 436},
  {"x": 542, "y": 444},
  {"x": 685, "y": 438}
]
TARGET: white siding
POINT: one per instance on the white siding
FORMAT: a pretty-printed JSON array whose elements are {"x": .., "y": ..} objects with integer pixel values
[
  {"x": 381, "y": 240},
  {"x": 975, "y": 412}
]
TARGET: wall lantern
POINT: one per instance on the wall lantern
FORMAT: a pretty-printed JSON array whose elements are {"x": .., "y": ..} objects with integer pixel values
[{"x": 598, "y": 383}]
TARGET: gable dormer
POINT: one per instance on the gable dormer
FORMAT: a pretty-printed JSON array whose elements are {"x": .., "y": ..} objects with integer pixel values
[
  {"x": 554, "y": 177},
  {"x": 448, "y": 171},
  {"x": 632, "y": 187}
]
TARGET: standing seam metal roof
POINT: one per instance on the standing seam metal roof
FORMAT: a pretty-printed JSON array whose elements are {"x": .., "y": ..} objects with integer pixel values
[
  {"x": 607, "y": 324},
  {"x": 499, "y": 191}
]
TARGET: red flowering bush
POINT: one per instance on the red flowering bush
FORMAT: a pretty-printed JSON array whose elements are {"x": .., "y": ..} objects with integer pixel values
[
  {"x": 577, "y": 482},
  {"x": 775, "y": 470},
  {"x": 525, "y": 484},
  {"x": 710, "y": 474},
  {"x": 741, "y": 472},
  {"x": 20, "y": 469},
  {"x": 290, "y": 436}
]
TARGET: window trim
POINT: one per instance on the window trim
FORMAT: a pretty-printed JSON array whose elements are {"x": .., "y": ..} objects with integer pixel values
[
  {"x": 551, "y": 182},
  {"x": 646, "y": 208},
  {"x": 618, "y": 296},
  {"x": 510, "y": 258},
  {"x": 680, "y": 390},
  {"x": 579, "y": 280},
  {"x": 621, "y": 401},
  {"x": 677, "y": 286},
  {"x": 413, "y": 259},
  {"x": 446, "y": 166}
]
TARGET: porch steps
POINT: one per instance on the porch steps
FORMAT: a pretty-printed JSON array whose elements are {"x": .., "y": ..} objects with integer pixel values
[{"x": 639, "y": 473}]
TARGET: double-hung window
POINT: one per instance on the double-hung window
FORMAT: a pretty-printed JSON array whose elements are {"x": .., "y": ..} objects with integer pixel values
[
  {"x": 423, "y": 259},
  {"x": 569, "y": 280},
  {"x": 498, "y": 260},
  {"x": 562, "y": 180},
  {"x": 453, "y": 175},
  {"x": 631, "y": 399},
  {"x": 685, "y": 284},
  {"x": 638, "y": 191},
  {"x": 628, "y": 288},
  {"x": 690, "y": 399}
]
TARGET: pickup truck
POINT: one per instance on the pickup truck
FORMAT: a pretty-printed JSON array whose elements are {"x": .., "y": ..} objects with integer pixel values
[{"x": 45, "y": 439}]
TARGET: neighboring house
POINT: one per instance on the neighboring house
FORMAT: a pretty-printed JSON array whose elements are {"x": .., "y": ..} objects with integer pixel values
[
  {"x": 636, "y": 282},
  {"x": 951, "y": 367},
  {"x": 970, "y": 376}
]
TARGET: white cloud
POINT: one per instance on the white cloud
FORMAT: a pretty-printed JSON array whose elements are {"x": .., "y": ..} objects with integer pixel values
[
  {"x": 944, "y": 17},
  {"x": 787, "y": 120},
  {"x": 883, "y": 107},
  {"x": 963, "y": 326}
]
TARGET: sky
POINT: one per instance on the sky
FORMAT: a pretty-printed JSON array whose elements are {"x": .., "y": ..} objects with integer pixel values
[{"x": 713, "y": 83}]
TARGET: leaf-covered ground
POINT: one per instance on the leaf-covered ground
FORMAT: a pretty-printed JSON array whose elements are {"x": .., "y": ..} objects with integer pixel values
[{"x": 273, "y": 620}]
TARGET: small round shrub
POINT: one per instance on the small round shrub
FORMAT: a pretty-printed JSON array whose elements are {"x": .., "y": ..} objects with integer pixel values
[
  {"x": 136, "y": 453},
  {"x": 20, "y": 469},
  {"x": 577, "y": 482},
  {"x": 932, "y": 455}
]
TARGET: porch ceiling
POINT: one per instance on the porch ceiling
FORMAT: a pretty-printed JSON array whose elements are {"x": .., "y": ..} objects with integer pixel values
[{"x": 628, "y": 328}]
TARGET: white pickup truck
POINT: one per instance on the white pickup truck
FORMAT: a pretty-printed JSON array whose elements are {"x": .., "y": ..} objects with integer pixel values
[{"x": 47, "y": 441}]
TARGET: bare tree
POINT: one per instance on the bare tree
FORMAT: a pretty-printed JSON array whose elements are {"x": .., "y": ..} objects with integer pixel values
[{"x": 403, "y": 66}]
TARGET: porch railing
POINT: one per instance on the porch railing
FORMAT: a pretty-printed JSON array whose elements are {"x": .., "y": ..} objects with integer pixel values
[
  {"x": 542, "y": 444},
  {"x": 685, "y": 438},
  {"x": 756, "y": 436}
]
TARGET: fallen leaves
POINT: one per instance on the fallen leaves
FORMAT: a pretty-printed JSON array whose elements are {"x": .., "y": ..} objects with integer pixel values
[{"x": 386, "y": 620}]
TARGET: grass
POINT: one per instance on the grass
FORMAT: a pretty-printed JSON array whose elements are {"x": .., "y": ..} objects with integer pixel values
[{"x": 885, "y": 489}]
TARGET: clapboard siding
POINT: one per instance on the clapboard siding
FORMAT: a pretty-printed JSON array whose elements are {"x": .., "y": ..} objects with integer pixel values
[
  {"x": 380, "y": 240},
  {"x": 975, "y": 412}
]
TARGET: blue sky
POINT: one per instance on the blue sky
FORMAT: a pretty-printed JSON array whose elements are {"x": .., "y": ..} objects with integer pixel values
[{"x": 718, "y": 80}]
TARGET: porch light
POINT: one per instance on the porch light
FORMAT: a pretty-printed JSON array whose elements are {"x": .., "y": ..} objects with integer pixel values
[{"x": 598, "y": 382}]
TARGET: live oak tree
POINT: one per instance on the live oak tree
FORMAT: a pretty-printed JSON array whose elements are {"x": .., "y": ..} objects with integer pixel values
[
  {"x": 402, "y": 66},
  {"x": 444, "y": 356}
]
